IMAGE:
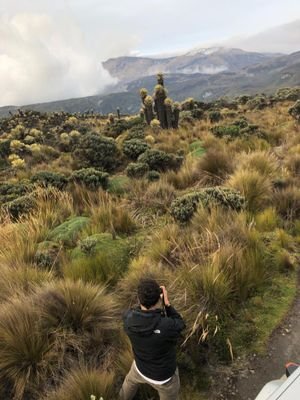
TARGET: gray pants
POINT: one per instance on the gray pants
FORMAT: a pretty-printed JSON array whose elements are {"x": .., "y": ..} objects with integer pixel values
[{"x": 167, "y": 391}]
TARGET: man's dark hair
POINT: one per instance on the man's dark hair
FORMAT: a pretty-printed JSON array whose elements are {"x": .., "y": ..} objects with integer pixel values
[{"x": 148, "y": 292}]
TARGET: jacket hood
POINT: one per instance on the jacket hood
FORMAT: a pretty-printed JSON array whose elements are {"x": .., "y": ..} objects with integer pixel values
[{"x": 142, "y": 322}]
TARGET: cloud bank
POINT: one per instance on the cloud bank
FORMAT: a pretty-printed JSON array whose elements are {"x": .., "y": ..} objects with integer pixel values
[
  {"x": 44, "y": 59},
  {"x": 280, "y": 39}
]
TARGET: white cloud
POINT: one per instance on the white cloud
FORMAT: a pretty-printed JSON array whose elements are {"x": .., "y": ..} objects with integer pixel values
[
  {"x": 43, "y": 59},
  {"x": 280, "y": 39}
]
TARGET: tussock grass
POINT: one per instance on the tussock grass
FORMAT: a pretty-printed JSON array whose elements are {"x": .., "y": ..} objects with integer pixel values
[
  {"x": 256, "y": 188},
  {"x": 60, "y": 331},
  {"x": 214, "y": 166},
  {"x": 24, "y": 279},
  {"x": 83, "y": 383},
  {"x": 109, "y": 215},
  {"x": 261, "y": 161},
  {"x": 27, "y": 355},
  {"x": 187, "y": 175},
  {"x": 287, "y": 202}
]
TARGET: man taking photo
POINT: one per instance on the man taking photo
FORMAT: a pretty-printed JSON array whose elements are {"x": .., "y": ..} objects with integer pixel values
[{"x": 153, "y": 334}]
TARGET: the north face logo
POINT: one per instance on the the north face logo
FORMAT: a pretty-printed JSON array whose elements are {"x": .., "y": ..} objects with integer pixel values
[{"x": 156, "y": 331}]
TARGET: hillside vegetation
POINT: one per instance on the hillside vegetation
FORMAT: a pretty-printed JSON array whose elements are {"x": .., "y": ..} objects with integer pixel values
[{"x": 91, "y": 204}]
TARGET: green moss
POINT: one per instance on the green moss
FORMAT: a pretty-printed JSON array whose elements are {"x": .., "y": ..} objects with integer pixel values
[
  {"x": 196, "y": 149},
  {"x": 68, "y": 231},
  {"x": 106, "y": 263}
]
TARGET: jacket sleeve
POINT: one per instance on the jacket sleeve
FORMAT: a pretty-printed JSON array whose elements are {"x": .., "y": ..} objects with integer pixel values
[{"x": 175, "y": 322}]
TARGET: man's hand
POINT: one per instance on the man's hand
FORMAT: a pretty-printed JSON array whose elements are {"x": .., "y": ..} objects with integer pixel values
[{"x": 164, "y": 296}]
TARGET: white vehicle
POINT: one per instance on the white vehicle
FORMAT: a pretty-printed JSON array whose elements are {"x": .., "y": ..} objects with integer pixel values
[{"x": 286, "y": 388}]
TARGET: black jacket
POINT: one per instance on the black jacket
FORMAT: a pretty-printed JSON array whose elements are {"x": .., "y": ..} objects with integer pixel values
[{"x": 153, "y": 337}]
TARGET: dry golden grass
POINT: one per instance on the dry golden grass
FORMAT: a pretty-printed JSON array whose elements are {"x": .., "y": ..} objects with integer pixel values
[
  {"x": 187, "y": 175},
  {"x": 83, "y": 384},
  {"x": 261, "y": 161},
  {"x": 215, "y": 165},
  {"x": 256, "y": 188}
]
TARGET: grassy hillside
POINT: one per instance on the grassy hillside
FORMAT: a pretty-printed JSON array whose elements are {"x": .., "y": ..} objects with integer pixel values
[{"x": 89, "y": 205}]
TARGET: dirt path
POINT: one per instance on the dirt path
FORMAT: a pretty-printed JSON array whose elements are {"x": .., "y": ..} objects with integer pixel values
[{"x": 245, "y": 382}]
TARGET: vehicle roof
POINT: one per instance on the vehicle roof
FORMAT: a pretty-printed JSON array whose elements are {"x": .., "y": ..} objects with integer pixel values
[{"x": 290, "y": 389}]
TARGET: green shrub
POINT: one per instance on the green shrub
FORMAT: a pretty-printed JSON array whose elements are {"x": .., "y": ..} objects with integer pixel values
[
  {"x": 239, "y": 128},
  {"x": 92, "y": 178},
  {"x": 68, "y": 232},
  {"x": 11, "y": 191},
  {"x": 231, "y": 131},
  {"x": 158, "y": 160},
  {"x": 137, "y": 170},
  {"x": 118, "y": 126},
  {"x": 153, "y": 176},
  {"x": 137, "y": 132},
  {"x": 96, "y": 151},
  {"x": 188, "y": 104},
  {"x": 197, "y": 113},
  {"x": 186, "y": 116},
  {"x": 21, "y": 206},
  {"x": 214, "y": 116},
  {"x": 4, "y": 148},
  {"x": 243, "y": 99},
  {"x": 134, "y": 147},
  {"x": 183, "y": 208},
  {"x": 47, "y": 178},
  {"x": 288, "y": 94},
  {"x": 258, "y": 102},
  {"x": 47, "y": 254},
  {"x": 294, "y": 111}
]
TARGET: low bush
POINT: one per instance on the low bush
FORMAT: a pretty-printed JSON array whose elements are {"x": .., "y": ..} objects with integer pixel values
[
  {"x": 47, "y": 178},
  {"x": 183, "y": 208},
  {"x": 137, "y": 170},
  {"x": 160, "y": 161},
  {"x": 11, "y": 191},
  {"x": 232, "y": 131},
  {"x": 47, "y": 255},
  {"x": 258, "y": 102},
  {"x": 133, "y": 148},
  {"x": 96, "y": 151},
  {"x": 215, "y": 116},
  {"x": 153, "y": 176},
  {"x": 91, "y": 178},
  {"x": 21, "y": 206},
  {"x": 294, "y": 111}
]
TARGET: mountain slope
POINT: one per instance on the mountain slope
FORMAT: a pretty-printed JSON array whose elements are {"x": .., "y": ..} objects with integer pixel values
[
  {"x": 279, "y": 72},
  {"x": 206, "y": 61}
]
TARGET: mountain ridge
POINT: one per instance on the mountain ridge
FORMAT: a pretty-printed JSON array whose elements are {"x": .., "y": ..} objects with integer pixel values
[{"x": 282, "y": 71}]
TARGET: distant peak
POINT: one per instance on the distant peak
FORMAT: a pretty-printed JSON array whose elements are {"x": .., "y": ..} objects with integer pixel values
[{"x": 205, "y": 51}]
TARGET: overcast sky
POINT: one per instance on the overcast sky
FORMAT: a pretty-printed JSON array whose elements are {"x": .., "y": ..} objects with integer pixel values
[{"x": 51, "y": 49}]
